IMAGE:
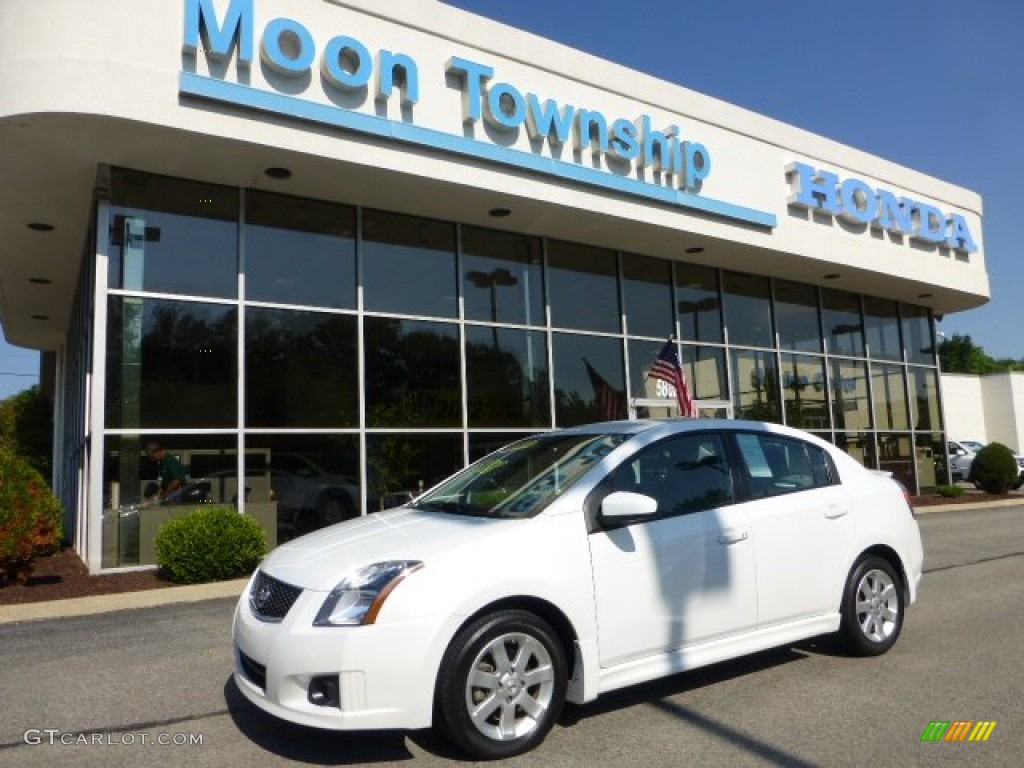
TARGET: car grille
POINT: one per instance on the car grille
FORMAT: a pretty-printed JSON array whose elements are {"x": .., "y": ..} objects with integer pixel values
[
  {"x": 270, "y": 599},
  {"x": 255, "y": 673}
]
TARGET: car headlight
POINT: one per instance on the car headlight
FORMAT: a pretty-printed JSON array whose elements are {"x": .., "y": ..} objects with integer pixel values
[{"x": 358, "y": 597}]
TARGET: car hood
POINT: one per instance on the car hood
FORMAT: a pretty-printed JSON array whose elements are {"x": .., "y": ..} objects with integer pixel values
[{"x": 318, "y": 560}]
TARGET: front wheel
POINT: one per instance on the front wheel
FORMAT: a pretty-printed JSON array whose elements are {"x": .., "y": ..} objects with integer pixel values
[
  {"x": 872, "y": 611},
  {"x": 501, "y": 685}
]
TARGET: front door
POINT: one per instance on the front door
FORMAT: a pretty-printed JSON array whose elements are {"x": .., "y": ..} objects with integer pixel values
[{"x": 685, "y": 577}]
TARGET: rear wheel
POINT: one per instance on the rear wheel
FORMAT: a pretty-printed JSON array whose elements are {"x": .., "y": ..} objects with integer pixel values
[
  {"x": 872, "y": 612},
  {"x": 501, "y": 685}
]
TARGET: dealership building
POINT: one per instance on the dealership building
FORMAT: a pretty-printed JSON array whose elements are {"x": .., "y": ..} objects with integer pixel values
[{"x": 325, "y": 252}]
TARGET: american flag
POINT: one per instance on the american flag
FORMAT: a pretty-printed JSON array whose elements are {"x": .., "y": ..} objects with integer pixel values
[
  {"x": 610, "y": 400},
  {"x": 668, "y": 369}
]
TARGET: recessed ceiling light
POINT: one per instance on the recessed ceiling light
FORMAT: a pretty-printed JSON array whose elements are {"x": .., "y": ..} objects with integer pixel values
[
  {"x": 40, "y": 317},
  {"x": 499, "y": 213},
  {"x": 277, "y": 172},
  {"x": 832, "y": 276},
  {"x": 40, "y": 280},
  {"x": 695, "y": 249},
  {"x": 40, "y": 226}
]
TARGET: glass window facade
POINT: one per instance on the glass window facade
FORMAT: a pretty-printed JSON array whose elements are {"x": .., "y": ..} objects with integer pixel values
[{"x": 308, "y": 361}]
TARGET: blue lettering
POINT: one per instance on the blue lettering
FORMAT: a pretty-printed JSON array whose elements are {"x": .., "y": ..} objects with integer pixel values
[
  {"x": 894, "y": 215},
  {"x": 859, "y": 203},
  {"x": 698, "y": 164},
  {"x": 855, "y": 200},
  {"x": 347, "y": 64},
  {"x": 201, "y": 18},
  {"x": 473, "y": 77},
  {"x": 287, "y": 47},
  {"x": 658, "y": 147},
  {"x": 546, "y": 121},
  {"x": 506, "y": 107},
  {"x": 960, "y": 236},
  {"x": 591, "y": 130},
  {"x": 408, "y": 76},
  {"x": 815, "y": 189},
  {"x": 624, "y": 143}
]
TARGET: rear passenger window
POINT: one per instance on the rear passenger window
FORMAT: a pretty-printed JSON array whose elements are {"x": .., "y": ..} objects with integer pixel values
[{"x": 776, "y": 465}]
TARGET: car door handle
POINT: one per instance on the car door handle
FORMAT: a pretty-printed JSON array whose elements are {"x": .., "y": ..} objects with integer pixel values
[
  {"x": 834, "y": 512},
  {"x": 732, "y": 537}
]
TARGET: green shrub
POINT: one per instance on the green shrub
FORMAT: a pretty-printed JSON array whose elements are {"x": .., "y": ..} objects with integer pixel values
[
  {"x": 994, "y": 469},
  {"x": 209, "y": 544},
  {"x": 950, "y": 491},
  {"x": 30, "y": 518}
]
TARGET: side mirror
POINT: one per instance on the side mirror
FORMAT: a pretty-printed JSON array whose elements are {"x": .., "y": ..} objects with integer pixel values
[{"x": 624, "y": 508}]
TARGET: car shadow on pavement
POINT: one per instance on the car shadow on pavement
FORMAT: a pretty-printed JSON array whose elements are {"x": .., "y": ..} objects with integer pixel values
[
  {"x": 676, "y": 685},
  {"x": 316, "y": 746}
]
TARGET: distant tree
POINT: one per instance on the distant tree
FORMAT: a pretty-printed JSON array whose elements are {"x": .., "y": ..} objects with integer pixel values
[
  {"x": 959, "y": 354},
  {"x": 26, "y": 428}
]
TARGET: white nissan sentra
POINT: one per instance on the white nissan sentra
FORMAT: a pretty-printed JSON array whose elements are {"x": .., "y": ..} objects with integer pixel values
[{"x": 571, "y": 564}]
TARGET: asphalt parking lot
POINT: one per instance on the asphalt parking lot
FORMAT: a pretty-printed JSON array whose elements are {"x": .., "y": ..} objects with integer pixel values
[{"x": 108, "y": 689}]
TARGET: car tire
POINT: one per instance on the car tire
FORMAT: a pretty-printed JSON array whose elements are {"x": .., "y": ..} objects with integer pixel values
[
  {"x": 872, "y": 609},
  {"x": 501, "y": 685}
]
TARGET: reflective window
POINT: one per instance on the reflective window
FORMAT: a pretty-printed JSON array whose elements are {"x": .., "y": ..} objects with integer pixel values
[
  {"x": 408, "y": 265},
  {"x": 583, "y": 287},
  {"x": 861, "y": 446},
  {"x": 304, "y": 482},
  {"x": 173, "y": 236},
  {"x": 777, "y": 465},
  {"x": 917, "y": 335},
  {"x": 483, "y": 443},
  {"x": 704, "y": 368},
  {"x": 882, "y": 322},
  {"x": 755, "y": 378},
  {"x": 502, "y": 277},
  {"x": 589, "y": 379},
  {"x": 647, "y": 295},
  {"x": 507, "y": 378},
  {"x": 889, "y": 391},
  {"x": 642, "y": 355},
  {"x": 896, "y": 455},
  {"x": 401, "y": 466},
  {"x": 851, "y": 409},
  {"x": 412, "y": 373},
  {"x": 699, "y": 305},
  {"x": 804, "y": 393},
  {"x": 844, "y": 328},
  {"x": 299, "y": 251},
  {"x": 748, "y": 315},
  {"x": 171, "y": 364},
  {"x": 149, "y": 479},
  {"x": 796, "y": 316},
  {"x": 924, "y": 387},
  {"x": 931, "y": 461},
  {"x": 300, "y": 369}
]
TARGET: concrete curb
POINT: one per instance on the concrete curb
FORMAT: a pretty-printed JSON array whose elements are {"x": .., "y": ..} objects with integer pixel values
[
  {"x": 122, "y": 601},
  {"x": 968, "y": 506}
]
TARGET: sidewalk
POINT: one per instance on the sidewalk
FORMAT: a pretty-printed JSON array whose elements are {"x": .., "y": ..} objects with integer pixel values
[{"x": 122, "y": 601}]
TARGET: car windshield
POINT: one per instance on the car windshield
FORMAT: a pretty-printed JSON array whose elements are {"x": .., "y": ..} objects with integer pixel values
[{"x": 521, "y": 479}]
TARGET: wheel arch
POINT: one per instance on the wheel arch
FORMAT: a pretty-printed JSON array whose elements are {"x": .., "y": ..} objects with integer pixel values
[
  {"x": 543, "y": 609},
  {"x": 892, "y": 557}
]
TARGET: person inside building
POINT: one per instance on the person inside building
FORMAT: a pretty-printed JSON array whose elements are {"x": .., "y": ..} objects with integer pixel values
[{"x": 170, "y": 475}]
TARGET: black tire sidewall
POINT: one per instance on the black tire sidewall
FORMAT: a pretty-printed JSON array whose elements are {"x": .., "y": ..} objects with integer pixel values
[
  {"x": 451, "y": 716},
  {"x": 852, "y": 635}
]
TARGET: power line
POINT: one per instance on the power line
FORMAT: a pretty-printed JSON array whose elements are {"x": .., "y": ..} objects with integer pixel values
[{"x": 12, "y": 373}]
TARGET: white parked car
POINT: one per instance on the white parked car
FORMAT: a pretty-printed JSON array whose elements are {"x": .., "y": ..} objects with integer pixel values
[{"x": 571, "y": 564}]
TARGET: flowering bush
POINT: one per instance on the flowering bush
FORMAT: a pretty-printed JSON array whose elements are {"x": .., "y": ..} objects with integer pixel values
[{"x": 30, "y": 518}]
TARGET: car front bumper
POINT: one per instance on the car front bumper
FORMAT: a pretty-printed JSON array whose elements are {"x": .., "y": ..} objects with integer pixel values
[{"x": 385, "y": 673}]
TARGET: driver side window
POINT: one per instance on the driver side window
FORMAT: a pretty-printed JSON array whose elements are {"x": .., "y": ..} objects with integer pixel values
[{"x": 684, "y": 474}]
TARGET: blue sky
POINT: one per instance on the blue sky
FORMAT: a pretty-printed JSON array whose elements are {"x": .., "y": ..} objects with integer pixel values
[{"x": 935, "y": 85}]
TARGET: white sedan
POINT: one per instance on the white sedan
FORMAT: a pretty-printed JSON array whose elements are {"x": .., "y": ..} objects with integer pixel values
[{"x": 571, "y": 564}]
